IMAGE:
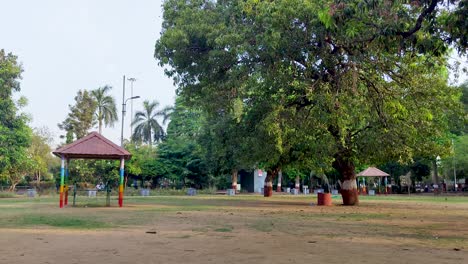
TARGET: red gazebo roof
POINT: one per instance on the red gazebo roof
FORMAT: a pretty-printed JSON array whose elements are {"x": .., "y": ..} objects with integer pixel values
[
  {"x": 372, "y": 172},
  {"x": 93, "y": 146}
]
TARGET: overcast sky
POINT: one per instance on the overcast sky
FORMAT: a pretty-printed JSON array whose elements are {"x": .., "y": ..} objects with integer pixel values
[{"x": 69, "y": 45}]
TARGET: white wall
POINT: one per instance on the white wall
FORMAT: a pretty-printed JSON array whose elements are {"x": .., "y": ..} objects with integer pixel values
[{"x": 259, "y": 180}]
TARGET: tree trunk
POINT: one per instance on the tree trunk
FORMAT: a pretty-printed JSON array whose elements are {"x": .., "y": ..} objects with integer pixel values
[
  {"x": 268, "y": 186},
  {"x": 297, "y": 184},
  {"x": 38, "y": 178},
  {"x": 234, "y": 179},
  {"x": 100, "y": 126},
  {"x": 13, "y": 186},
  {"x": 280, "y": 178},
  {"x": 345, "y": 167}
]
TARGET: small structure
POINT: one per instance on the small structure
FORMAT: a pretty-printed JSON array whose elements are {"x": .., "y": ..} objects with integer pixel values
[
  {"x": 373, "y": 172},
  {"x": 92, "y": 146},
  {"x": 251, "y": 181}
]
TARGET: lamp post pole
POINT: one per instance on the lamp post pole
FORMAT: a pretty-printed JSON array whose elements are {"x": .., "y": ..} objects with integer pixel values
[
  {"x": 123, "y": 112},
  {"x": 131, "y": 80},
  {"x": 124, "y": 104}
]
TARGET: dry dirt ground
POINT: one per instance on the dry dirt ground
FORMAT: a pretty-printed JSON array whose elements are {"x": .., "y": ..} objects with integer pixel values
[{"x": 248, "y": 229}]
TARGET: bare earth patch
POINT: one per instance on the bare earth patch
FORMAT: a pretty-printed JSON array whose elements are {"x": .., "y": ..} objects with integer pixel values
[{"x": 240, "y": 229}]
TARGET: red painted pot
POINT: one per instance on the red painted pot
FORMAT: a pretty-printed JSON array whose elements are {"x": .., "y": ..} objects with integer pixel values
[{"x": 324, "y": 199}]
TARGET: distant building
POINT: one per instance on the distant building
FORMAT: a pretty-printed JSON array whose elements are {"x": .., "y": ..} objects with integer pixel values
[{"x": 252, "y": 181}]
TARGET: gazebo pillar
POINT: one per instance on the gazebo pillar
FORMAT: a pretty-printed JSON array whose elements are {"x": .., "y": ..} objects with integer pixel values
[
  {"x": 66, "y": 185},
  {"x": 386, "y": 183},
  {"x": 365, "y": 186},
  {"x": 62, "y": 180},
  {"x": 121, "y": 181}
]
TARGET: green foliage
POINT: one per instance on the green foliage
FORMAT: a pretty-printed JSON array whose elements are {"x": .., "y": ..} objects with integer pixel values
[
  {"x": 81, "y": 117},
  {"x": 40, "y": 153},
  {"x": 458, "y": 159},
  {"x": 144, "y": 162},
  {"x": 181, "y": 158},
  {"x": 93, "y": 172},
  {"x": 15, "y": 135},
  {"x": 330, "y": 84}
]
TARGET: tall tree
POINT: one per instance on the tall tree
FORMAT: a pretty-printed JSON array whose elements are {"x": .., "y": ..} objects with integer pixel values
[
  {"x": 106, "y": 112},
  {"x": 81, "y": 117},
  {"x": 181, "y": 157},
  {"x": 40, "y": 153},
  {"x": 15, "y": 135},
  {"x": 147, "y": 128},
  {"x": 374, "y": 89}
]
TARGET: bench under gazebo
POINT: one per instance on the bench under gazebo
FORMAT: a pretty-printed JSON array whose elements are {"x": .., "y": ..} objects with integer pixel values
[{"x": 92, "y": 146}]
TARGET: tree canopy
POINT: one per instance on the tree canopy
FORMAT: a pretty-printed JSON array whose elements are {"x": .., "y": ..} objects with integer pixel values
[
  {"x": 332, "y": 83},
  {"x": 15, "y": 135},
  {"x": 81, "y": 117}
]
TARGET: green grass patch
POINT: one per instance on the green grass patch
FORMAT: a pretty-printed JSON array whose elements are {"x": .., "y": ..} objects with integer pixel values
[
  {"x": 184, "y": 236},
  {"x": 416, "y": 198},
  {"x": 60, "y": 222},
  {"x": 224, "y": 229}
]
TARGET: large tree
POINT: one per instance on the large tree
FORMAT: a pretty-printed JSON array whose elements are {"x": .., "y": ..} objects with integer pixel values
[
  {"x": 81, "y": 117},
  {"x": 40, "y": 153},
  {"x": 180, "y": 156},
  {"x": 15, "y": 135},
  {"x": 106, "y": 112},
  {"x": 368, "y": 74}
]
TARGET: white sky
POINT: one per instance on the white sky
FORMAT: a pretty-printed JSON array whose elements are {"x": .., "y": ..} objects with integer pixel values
[{"x": 69, "y": 45}]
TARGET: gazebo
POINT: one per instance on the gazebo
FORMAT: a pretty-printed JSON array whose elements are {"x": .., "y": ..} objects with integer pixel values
[
  {"x": 373, "y": 172},
  {"x": 92, "y": 146}
]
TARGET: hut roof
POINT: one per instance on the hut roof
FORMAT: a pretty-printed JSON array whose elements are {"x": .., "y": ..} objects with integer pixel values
[
  {"x": 92, "y": 146},
  {"x": 372, "y": 172}
]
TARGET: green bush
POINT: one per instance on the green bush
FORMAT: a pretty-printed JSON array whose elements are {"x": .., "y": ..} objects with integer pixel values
[
  {"x": 167, "y": 191},
  {"x": 7, "y": 195}
]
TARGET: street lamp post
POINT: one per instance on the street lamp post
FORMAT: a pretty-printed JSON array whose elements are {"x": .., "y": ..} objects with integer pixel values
[
  {"x": 131, "y": 80},
  {"x": 124, "y": 103}
]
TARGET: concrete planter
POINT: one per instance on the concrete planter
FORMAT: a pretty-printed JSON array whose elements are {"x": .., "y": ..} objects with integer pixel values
[
  {"x": 324, "y": 199},
  {"x": 191, "y": 191},
  {"x": 31, "y": 192},
  {"x": 91, "y": 193},
  {"x": 144, "y": 192}
]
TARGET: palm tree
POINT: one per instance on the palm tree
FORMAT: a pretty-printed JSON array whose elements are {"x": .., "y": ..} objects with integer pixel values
[
  {"x": 147, "y": 128},
  {"x": 166, "y": 113},
  {"x": 106, "y": 112}
]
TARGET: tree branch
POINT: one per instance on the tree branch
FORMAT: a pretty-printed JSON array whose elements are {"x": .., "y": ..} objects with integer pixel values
[{"x": 428, "y": 11}]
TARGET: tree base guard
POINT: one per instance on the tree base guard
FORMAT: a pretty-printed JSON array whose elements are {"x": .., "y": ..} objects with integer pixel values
[{"x": 350, "y": 197}]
